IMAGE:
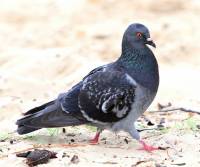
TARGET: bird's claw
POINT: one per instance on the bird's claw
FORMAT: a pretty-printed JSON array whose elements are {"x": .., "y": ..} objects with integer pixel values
[
  {"x": 95, "y": 140},
  {"x": 146, "y": 147}
]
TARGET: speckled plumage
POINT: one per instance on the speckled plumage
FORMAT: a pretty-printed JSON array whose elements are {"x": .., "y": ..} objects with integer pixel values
[
  {"x": 107, "y": 95},
  {"x": 112, "y": 96}
]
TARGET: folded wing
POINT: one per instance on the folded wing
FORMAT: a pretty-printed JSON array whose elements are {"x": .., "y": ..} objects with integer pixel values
[{"x": 107, "y": 96}]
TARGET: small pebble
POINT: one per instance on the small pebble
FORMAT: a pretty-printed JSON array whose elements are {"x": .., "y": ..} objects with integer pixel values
[
  {"x": 75, "y": 159},
  {"x": 65, "y": 155},
  {"x": 114, "y": 156},
  {"x": 149, "y": 123},
  {"x": 63, "y": 130},
  {"x": 198, "y": 126},
  {"x": 11, "y": 141},
  {"x": 126, "y": 140}
]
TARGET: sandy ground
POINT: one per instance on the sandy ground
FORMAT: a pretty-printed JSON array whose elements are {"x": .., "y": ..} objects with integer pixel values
[{"x": 47, "y": 46}]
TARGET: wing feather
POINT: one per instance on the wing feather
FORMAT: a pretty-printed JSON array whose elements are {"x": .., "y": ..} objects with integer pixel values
[{"x": 107, "y": 96}]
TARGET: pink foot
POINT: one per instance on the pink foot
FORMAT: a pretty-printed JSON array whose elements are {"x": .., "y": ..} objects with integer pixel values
[
  {"x": 95, "y": 140},
  {"x": 146, "y": 147}
]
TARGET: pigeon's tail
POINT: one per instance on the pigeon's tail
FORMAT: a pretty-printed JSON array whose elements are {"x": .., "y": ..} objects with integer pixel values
[
  {"x": 25, "y": 129},
  {"x": 45, "y": 116},
  {"x": 25, "y": 124}
]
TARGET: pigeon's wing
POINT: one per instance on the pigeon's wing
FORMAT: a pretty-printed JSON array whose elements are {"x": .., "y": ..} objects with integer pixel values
[
  {"x": 69, "y": 101},
  {"x": 98, "y": 69},
  {"x": 107, "y": 96}
]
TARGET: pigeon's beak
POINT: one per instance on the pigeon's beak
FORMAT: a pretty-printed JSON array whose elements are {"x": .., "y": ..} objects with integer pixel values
[{"x": 149, "y": 41}]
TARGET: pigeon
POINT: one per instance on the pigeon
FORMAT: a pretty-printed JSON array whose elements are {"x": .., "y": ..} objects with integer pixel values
[{"x": 112, "y": 96}]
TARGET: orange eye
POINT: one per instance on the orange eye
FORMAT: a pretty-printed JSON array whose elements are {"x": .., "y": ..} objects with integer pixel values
[{"x": 138, "y": 34}]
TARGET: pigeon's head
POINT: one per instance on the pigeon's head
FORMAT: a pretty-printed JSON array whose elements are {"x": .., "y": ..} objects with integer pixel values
[{"x": 137, "y": 35}]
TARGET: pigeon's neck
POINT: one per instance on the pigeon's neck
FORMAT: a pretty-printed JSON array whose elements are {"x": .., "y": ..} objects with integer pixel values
[
  {"x": 141, "y": 64},
  {"x": 135, "y": 56}
]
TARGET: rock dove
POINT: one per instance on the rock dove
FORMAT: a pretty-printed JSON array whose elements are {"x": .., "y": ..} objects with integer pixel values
[{"x": 111, "y": 96}]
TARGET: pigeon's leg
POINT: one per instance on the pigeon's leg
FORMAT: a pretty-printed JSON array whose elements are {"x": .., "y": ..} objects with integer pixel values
[
  {"x": 146, "y": 147},
  {"x": 95, "y": 140},
  {"x": 135, "y": 134}
]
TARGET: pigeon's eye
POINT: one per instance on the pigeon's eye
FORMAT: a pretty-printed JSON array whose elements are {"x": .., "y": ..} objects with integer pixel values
[{"x": 139, "y": 34}]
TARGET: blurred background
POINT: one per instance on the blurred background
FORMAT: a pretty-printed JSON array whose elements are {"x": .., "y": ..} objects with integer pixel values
[{"x": 46, "y": 46}]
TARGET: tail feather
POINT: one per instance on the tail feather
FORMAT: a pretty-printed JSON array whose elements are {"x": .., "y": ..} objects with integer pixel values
[
  {"x": 24, "y": 130},
  {"x": 36, "y": 109},
  {"x": 45, "y": 116}
]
